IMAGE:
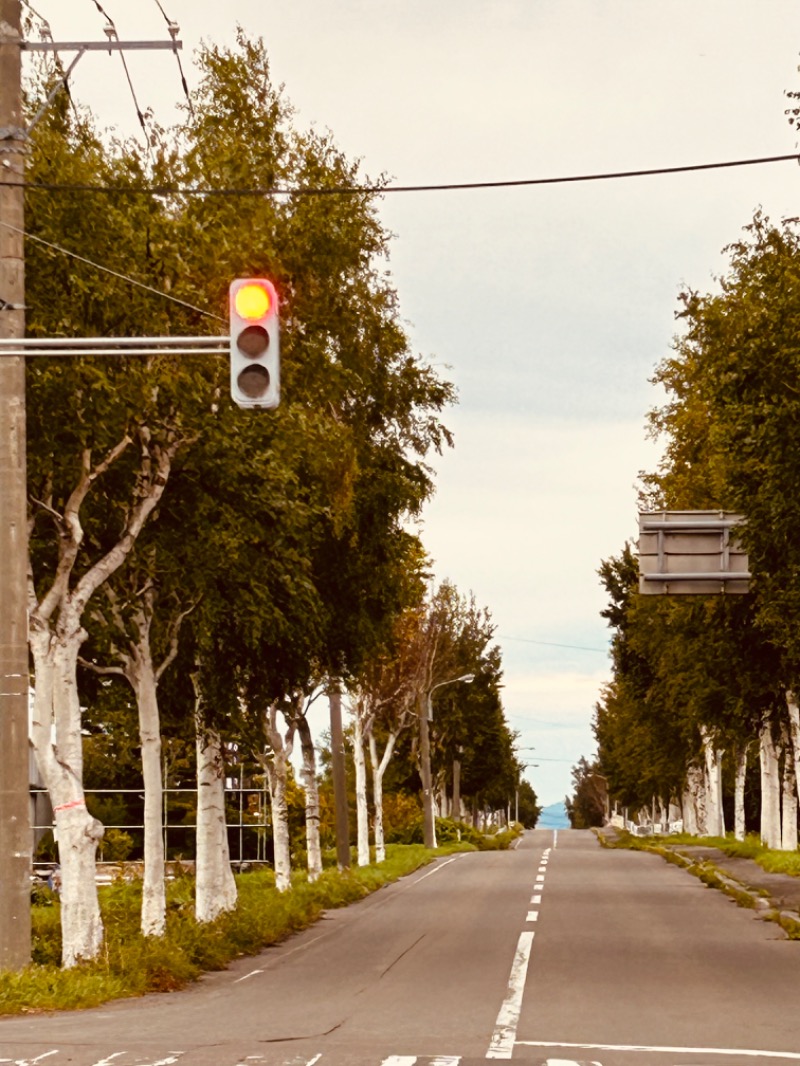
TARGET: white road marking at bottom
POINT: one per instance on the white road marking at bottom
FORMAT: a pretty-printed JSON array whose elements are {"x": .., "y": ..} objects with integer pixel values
[
  {"x": 251, "y": 974},
  {"x": 793, "y": 1056},
  {"x": 31, "y": 1062},
  {"x": 400, "y": 1060},
  {"x": 536, "y": 898},
  {"x": 567, "y": 1062},
  {"x": 505, "y": 1029},
  {"x": 533, "y": 916}
]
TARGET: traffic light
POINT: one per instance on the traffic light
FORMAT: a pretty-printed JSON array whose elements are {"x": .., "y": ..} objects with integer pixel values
[{"x": 255, "y": 354}]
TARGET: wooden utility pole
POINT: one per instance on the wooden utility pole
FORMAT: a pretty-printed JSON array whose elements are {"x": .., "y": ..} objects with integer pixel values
[
  {"x": 339, "y": 779},
  {"x": 428, "y": 818},
  {"x": 15, "y": 829}
]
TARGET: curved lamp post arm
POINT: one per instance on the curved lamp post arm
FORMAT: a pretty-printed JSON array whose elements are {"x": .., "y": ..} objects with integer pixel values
[
  {"x": 425, "y": 716},
  {"x": 464, "y": 677}
]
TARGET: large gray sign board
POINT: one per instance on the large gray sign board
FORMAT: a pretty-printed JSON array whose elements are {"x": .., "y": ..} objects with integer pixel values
[{"x": 691, "y": 553}]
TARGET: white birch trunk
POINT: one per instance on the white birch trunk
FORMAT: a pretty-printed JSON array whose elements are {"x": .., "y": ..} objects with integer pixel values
[
  {"x": 378, "y": 770},
  {"x": 362, "y": 812},
  {"x": 313, "y": 848},
  {"x": 770, "y": 788},
  {"x": 57, "y": 741},
  {"x": 215, "y": 888},
  {"x": 154, "y": 902},
  {"x": 788, "y": 798},
  {"x": 694, "y": 801},
  {"x": 715, "y": 819},
  {"x": 738, "y": 799},
  {"x": 793, "y": 751},
  {"x": 277, "y": 766},
  {"x": 281, "y": 844}
]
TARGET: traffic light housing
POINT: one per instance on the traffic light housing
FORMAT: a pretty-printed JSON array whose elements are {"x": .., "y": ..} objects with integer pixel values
[{"x": 255, "y": 348}]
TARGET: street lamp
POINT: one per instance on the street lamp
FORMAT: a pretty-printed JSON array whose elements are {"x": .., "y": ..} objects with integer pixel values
[
  {"x": 464, "y": 677},
  {"x": 425, "y": 716}
]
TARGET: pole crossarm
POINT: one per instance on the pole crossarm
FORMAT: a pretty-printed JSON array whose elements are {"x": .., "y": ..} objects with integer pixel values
[
  {"x": 99, "y": 46},
  {"x": 82, "y": 47},
  {"x": 139, "y": 346}
]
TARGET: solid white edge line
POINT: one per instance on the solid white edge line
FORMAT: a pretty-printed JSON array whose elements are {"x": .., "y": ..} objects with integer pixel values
[
  {"x": 794, "y": 1056},
  {"x": 505, "y": 1029},
  {"x": 436, "y": 869}
]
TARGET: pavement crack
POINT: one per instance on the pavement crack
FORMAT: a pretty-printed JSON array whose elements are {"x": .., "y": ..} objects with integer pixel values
[
  {"x": 402, "y": 955},
  {"x": 302, "y": 1036}
]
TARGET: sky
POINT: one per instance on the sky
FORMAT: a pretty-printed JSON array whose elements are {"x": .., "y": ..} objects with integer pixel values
[{"x": 548, "y": 306}]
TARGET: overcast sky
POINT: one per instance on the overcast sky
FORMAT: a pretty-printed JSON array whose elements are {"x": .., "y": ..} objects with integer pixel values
[{"x": 548, "y": 306}]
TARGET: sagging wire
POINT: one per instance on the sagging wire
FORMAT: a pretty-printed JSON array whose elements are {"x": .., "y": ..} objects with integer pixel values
[
  {"x": 110, "y": 30},
  {"x": 108, "y": 270},
  {"x": 173, "y": 29}
]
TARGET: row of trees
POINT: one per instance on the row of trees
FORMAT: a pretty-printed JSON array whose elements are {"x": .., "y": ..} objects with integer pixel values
[
  {"x": 225, "y": 566},
  {"x": 700, "y": 720},
  {"x": 474, "y": 768}
]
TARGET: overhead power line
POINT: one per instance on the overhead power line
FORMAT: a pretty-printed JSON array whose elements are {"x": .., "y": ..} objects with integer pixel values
[
  {"x": 108, "y": 270},
  {"x": 111, "y": 33},
  {"x": 360, "y": 190},
  {"x": 551, "y": 644},
  {"x": 172, "y": 29}
]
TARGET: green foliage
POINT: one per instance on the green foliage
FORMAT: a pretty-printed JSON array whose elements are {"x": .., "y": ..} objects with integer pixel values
[
  {"x": 587, "y": 805},
  {"x": 402, "y": 818},
  {"x": 116, "y": 846},
  {"x": 528, "y": 804}
]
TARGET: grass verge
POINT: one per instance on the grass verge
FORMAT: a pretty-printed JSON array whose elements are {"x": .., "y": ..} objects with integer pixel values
[
  {"x": 750, "y": 848},
  {"x": 133, "y": 965}
]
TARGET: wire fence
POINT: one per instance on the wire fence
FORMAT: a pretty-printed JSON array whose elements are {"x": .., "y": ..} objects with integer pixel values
[{"x": 249, "y": 832}]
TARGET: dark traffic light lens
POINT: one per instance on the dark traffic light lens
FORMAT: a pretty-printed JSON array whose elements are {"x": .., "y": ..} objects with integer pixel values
[
  {"x": 253, "y": 341},
  {"x": 253, "y": 382}
]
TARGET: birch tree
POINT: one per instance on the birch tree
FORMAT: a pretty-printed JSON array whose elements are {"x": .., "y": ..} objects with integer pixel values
[
  {"x": 56, "y": 611},
  {"x": 215, "y": 887},
  {"x": 127, "y": 625},
  {"x": 310, "y": 790}
]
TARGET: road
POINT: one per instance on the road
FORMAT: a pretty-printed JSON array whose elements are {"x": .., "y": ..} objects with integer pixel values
[{"x": 557, "y": 952}]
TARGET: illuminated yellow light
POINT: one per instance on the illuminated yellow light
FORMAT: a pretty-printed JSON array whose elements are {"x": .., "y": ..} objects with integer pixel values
[{"x": 252, "y": 302}]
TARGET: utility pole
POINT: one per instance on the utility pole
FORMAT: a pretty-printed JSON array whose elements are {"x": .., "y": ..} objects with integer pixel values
[
  {"x": 15, "y": 831},
  {"x": 339, "y": 778},
  {"x": 428, "y": 819}
]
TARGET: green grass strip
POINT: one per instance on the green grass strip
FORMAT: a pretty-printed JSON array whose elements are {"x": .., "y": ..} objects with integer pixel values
[{"x": 133, "y": 965}]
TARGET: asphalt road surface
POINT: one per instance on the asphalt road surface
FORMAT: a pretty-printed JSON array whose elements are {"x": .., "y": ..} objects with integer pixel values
[{"x": 557, "y": 952}]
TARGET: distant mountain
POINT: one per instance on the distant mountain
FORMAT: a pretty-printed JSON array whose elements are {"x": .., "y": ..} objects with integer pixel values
[{"x": 553, "y": 817}]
